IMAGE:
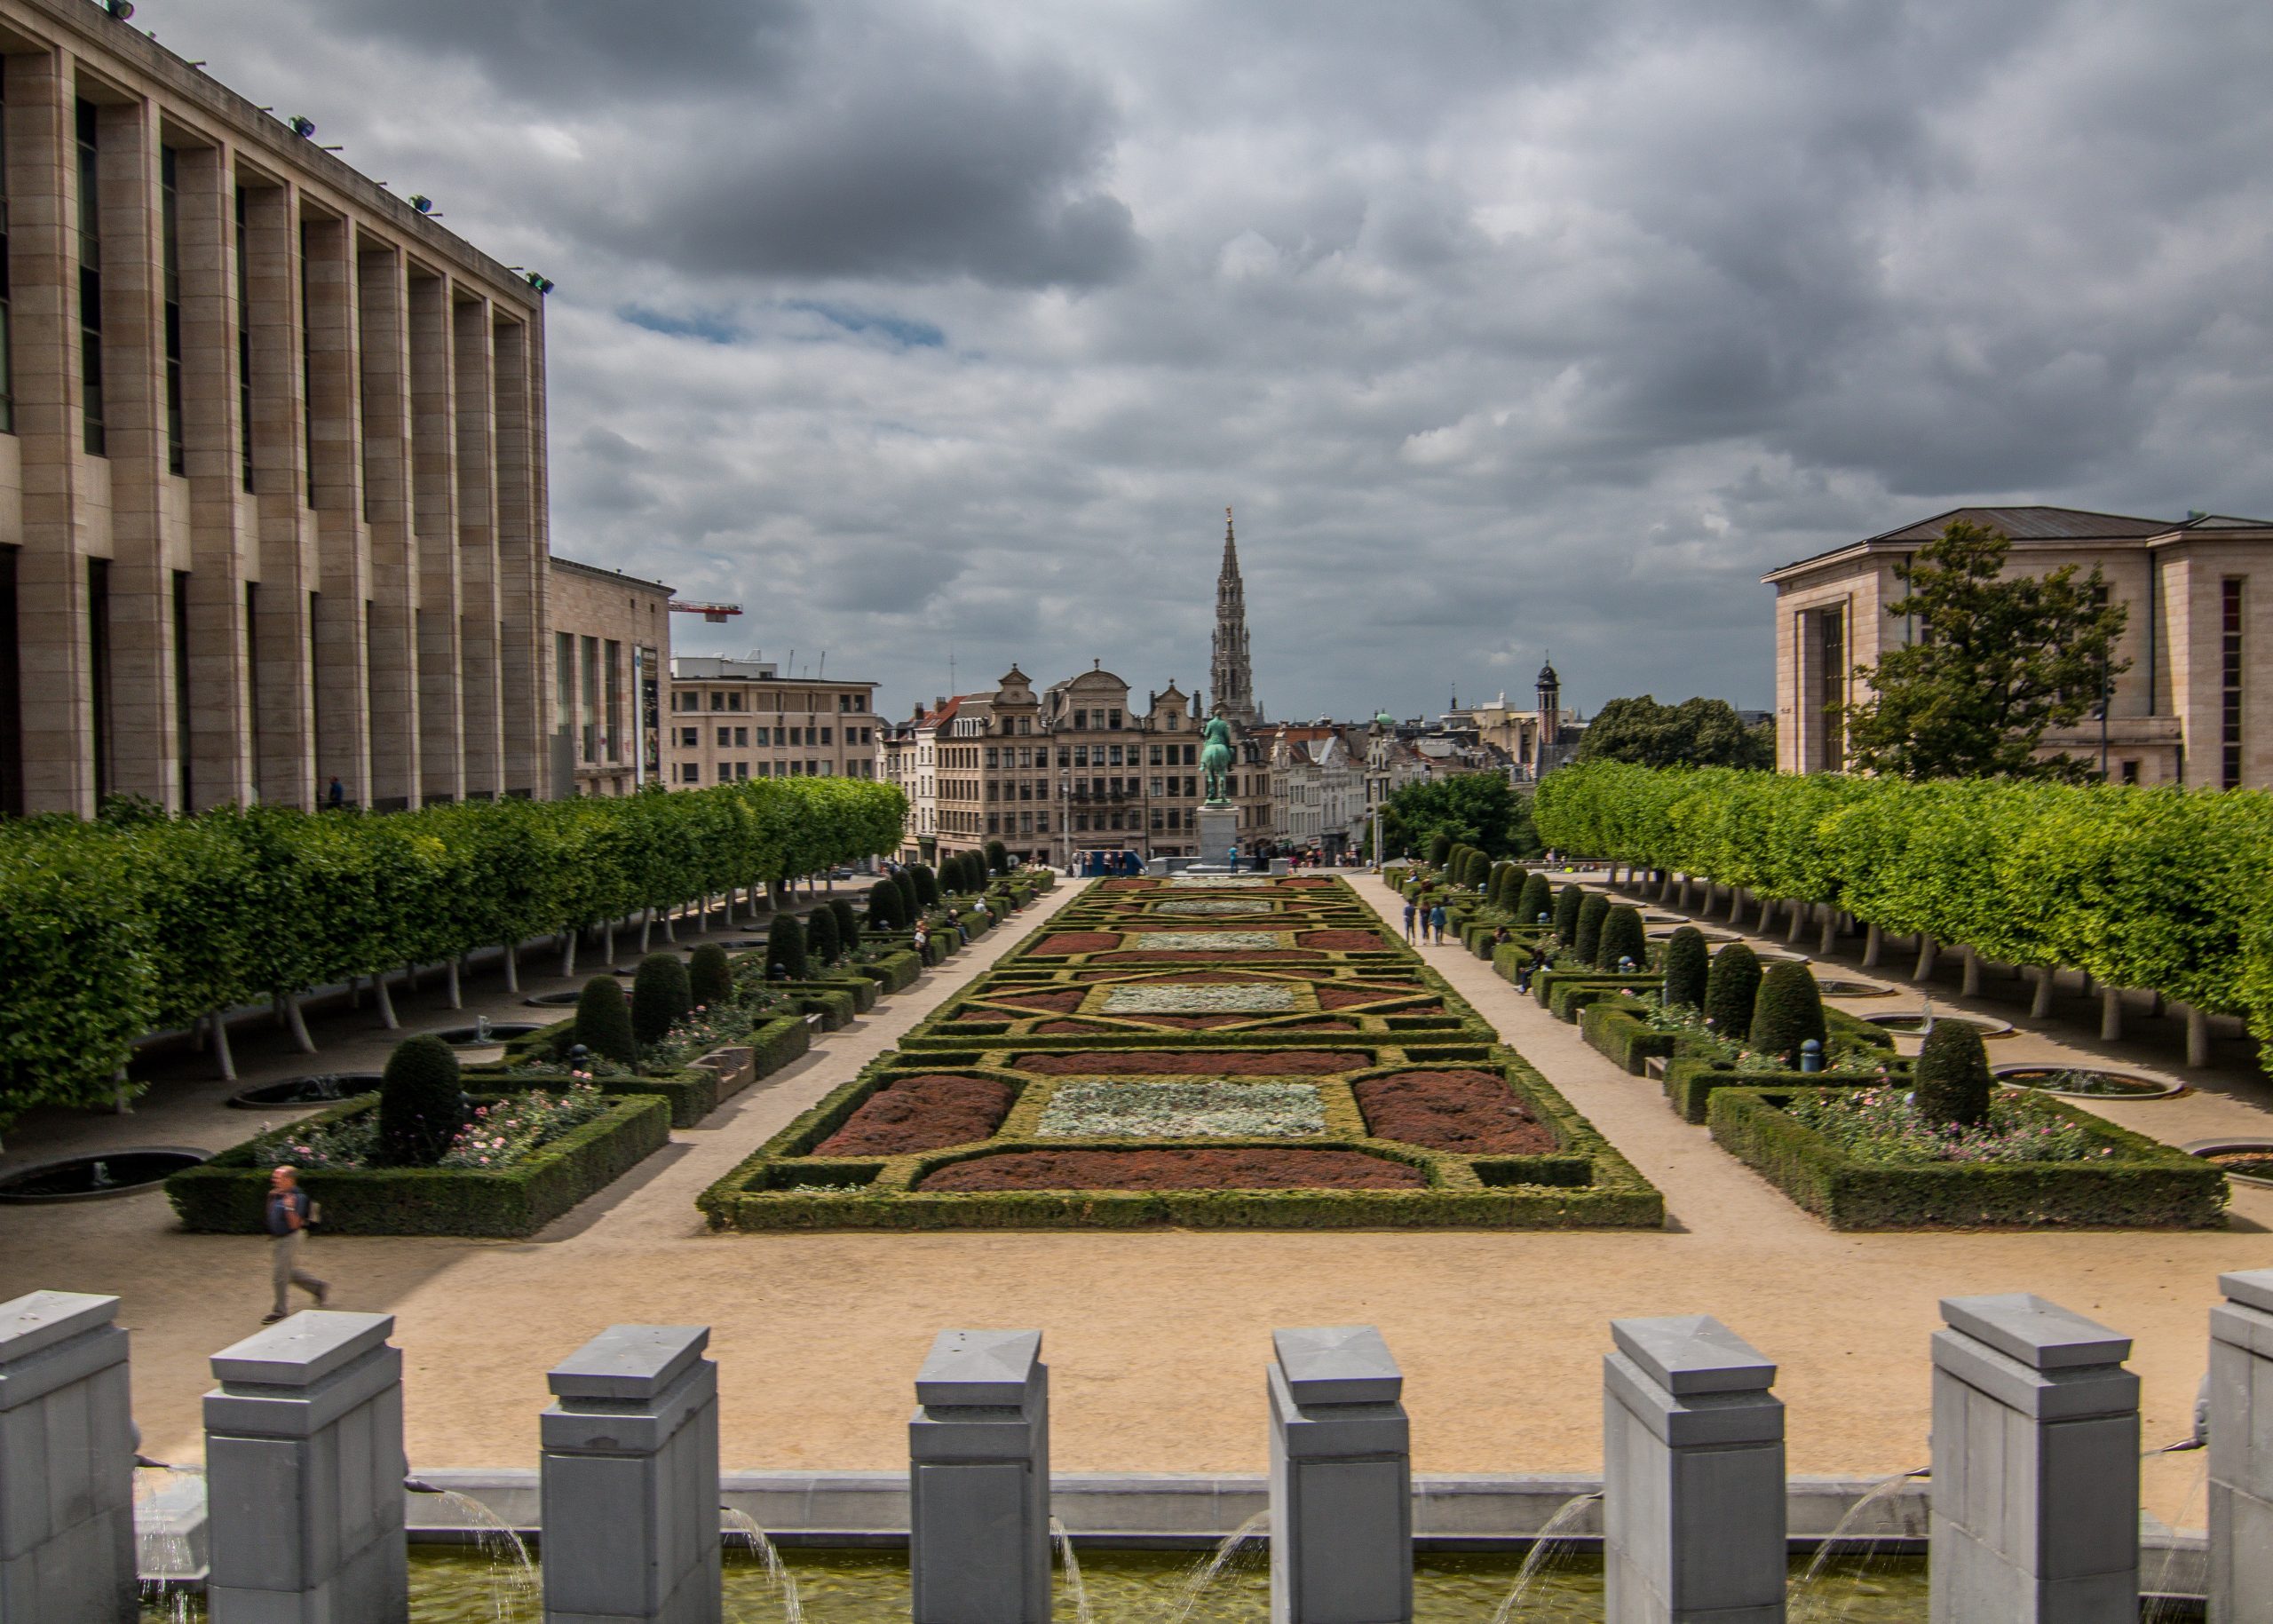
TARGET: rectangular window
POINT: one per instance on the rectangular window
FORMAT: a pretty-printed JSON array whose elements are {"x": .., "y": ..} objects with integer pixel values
[
  {"x": 182, "y": 786},
  {"x": 1114, "y": 757},
  {"x": 564, "y": 679},
  {"x": 1156, "y": 787},
  {"x": 993, "y": 756},
  {"x": 614, "y": 668},
  {"x": 1112, "y": 721},
  {"x": 741, "y": 770},
  {"x": 170, "y": 226},
  {"x": 741, "y": 738},
  {"x": 590, "y": 741},
  {"x": 99, "y": 667},
  {"x": 733, "y": 702},
  {"x": 717, "y": 699},
  {"x": 994, "y": 823},
  {"x": 2229, "y": 683},
  {"x": 1153, "y": 759},
  {"x": 1081, "y": 754},
  {"x": 1831, "y": 685},
  {"x": 726, "y": 737},
  {"x": 824, "y": 734},
  {"x": 2130, "y": 772},
  {"x": 91, "y": 290},
  {"x": 690, "y": 738}
]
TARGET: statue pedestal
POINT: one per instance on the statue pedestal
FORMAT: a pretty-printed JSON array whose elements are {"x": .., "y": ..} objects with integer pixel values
[{"x": 1219, "y": 832}]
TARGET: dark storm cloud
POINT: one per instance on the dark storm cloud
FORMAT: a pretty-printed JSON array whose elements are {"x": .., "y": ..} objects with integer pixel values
[{"x": 955, "y": 324}]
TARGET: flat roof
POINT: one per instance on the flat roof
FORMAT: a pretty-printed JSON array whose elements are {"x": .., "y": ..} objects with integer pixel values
[{"x": 607, "y": 575}]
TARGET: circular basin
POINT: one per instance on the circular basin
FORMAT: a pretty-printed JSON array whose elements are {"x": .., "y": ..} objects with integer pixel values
[
  {"x": 1659, "y": 935},
  {"x": 2247, "y": 1161},
  {"x": 1909, "y": 1023},
  {"x": 474, "y": 1037},
  {"x": 1783, "y": 956},
  {"x": 93, "y": 1178},
  {"x": 552, "y": 1000},
  {"x": 322, "y": 1089},
  {"x": 2086, "y": 1082},
  {"x": 1839, "y": 986}
]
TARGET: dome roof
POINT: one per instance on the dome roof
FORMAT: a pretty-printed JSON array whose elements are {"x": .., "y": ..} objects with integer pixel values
[{"x": 1548, "y": 678}]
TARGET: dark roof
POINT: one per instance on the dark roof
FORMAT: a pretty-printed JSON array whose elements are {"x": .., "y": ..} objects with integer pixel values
[
  {"x": 2032, "y": 524},
  {"x": 2224, "y": 521}
]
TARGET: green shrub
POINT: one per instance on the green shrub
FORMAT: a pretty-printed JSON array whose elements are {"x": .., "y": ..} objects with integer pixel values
[
  {"x": 926, "y": 884},
  {"x": 886, "y": 911},
  {"x": 848, "y": 924},
  {"x": 1568, "y": 901},
  {"x": 422, "y": 1103},
  {"x": 1687, "y": 965},
  {"x": 604, "y": 1021},
  {"x": 1479, "y": 871},
  {"x": 998, "y": 857},
  {"x": 1731, "y": 991},
  {"x": 661, "y": 996},
  {"x": 1623, "y": 938},
  {"x": 904, "y": 883},
  {"x": 1788, "y": 1012},
  {"x": 710, "y": 977},
  {"x": 784, "y": 947},
  {"x": 1953, "y": 1079},
  {"x": 1440, "y": 847},
  {"x": 1536, "y": 898},
  {"x": 1586, "y": 940},
  {"x": 822, "y": 948}
]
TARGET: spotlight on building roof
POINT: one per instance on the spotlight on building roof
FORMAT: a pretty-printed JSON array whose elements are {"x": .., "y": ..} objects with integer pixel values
[
  {"x": 424, "y": 205},
  {"x": 303, "y": 126},
  {"x": 120, "y": 9}
]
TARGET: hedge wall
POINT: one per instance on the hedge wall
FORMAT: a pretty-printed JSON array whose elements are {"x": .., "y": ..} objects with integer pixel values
[
  {"x": 2145, "y": 1184},
  {"x": 133, "y": 923},
  {"x": 227, "y": 1195},
  {"x": 2160, "y": 889}
]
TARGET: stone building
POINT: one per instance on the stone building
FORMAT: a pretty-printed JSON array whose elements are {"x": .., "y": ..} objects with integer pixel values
[
  {"x": 611, "y": 655},
  {"x": 1535, "y": 742},
  {"x": 272, "y": 455},
  {"x": 735, "y": 719},
  {"x": 1317, "y": 786},
  {"x": 2185, "y": 712}
]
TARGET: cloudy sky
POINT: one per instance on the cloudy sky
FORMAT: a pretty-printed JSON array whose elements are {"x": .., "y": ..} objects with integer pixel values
[{"x": 950, "y": 326}]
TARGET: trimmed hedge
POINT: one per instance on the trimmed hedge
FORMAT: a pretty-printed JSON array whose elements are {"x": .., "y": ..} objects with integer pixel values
[
  {"x": 228, "y": 1194},
  {"x": 1789, "y": 1012},
  {"x": 422, "y": 1102},
  {"x": 2146, "y": 1185},
  {"x": 895, "y": 973}
]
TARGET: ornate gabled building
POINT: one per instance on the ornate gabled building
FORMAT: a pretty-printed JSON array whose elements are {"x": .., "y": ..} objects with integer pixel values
[{"x": 1228, "y": 672}]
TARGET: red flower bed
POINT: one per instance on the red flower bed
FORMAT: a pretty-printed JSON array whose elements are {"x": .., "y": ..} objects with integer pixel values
[
  {"x": 1343, "y": 940},
  {"x": 1060, "y": 1028},
  {"x": 1197, "y": 1063},
  {"x": 1342, "y": 996},
  {"x": 1190, "y": 977},
  {"x": 921, "y": 1113},
  {"x": 1254, "y": 1168},
  {"x": 1450, "y": 1111},
  {"x": 1077, "y": 942},
  {"x": 1202, "y": 1023},
  {"x": 1212, "y": 956},
  {"x": 1040, "y": 1003}
]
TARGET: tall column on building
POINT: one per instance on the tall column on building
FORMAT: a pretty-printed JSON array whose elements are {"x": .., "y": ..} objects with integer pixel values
[
  {"x": 1229, "y": 677},
  {"x": 1550, "y": 708}
]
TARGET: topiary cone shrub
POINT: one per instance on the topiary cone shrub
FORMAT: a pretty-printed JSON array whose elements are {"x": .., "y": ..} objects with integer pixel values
[
  {"x": 1440, "y": 847},
  {"x": 1567, "y": 903},
  {"x": 998, "y": 857},
  {"x": 1788, "y": 1013},
  {"x": 1953, "y": 1084},
  {"x": 1623, "y": 938},
  {"x": 848, "y": 924},
  {"x": 604, "y": 1021},
  {"x": 709, "y": 978},
  {"x": 784, "y": 947},
  {"x": 886, "y": 912},
  {"x": 421, "y": 1104},
  {"x": 927, "y": 885},
  {"x": 1587, "y": 943},
  {"x": 1729, "y": 991},
  {"x": 661, "y": 996},
  {"x": 911, "y": 906},
  {"x": 821, "y": 945},
  {"x": 1687, "y": 965},
  {"x": 1536, "y": 898}
]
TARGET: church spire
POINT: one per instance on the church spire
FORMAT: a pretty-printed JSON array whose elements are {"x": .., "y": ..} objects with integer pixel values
[{"x": 1228, "y": 672}]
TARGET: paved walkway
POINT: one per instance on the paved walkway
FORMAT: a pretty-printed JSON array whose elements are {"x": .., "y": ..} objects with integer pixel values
[{"x": 1157, "y": 1340}]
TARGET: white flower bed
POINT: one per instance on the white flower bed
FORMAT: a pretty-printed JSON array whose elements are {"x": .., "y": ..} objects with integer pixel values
[
  {"x": 1182, "y": 1110},
  {"x": 1152, "y": 1000},
  {"x": 1200, "y": 941},
  {"x": 1216, "y": 882},
  {"x": 1203, "y": 906}
]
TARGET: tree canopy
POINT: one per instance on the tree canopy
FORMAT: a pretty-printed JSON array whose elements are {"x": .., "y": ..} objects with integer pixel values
[
  {"x": 1697, "y": 733},
  {"x": 1475, "y": 809},
  {"x": 1997, "y": 659}
]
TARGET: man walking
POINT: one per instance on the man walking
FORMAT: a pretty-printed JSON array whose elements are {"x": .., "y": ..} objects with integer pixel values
[
  {"x": 1409, "y": 911},
  {"x": 288, "y": 1223},
  {"x": 1436, "y": 923}
]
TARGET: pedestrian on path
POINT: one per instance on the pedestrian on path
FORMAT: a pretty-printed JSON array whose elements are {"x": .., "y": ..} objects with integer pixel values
[
  {"x": 1436, "y": 923},
  {"x": 1410, "y": 909},
  {"x": 288, "y": 1212}
]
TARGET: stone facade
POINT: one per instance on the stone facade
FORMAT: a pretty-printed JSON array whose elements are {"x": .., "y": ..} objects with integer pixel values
[
  {"x": 735, "y": 719},
  {"x": 611, "y": 649},
  {"x": 272, "y": 472},
  {"x": 2196, "y": 640}
]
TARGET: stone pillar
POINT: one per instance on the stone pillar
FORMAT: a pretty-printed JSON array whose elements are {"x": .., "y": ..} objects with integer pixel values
[
  {"x": 433, "y": 450},
  {"x": 303, "y": 1471},
  {"x": 66, "y": 1462},
  {"x": 524, "y": 699},
  {"x": 2241, "y": 1450},
  {"x": 476, "y": 454},
  {"x": 630, "y": 1480},
  {"x": 345, "y": 613},
  {"x": 282, "y": 609},
  {"x": 1341, "y": 1480},
  {"x": 978, "y": 1480},
  {"x": 383, "y": 374},
  {"x": 1692, "y": 1477},
  {"x": 2035, "y": 1514}
]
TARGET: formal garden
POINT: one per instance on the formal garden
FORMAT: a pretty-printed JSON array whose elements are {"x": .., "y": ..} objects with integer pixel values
[{"x": 1217, "y": 1052}]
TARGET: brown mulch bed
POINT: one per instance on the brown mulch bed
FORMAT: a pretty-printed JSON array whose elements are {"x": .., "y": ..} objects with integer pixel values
[
  {"x": 1041, "y": 1003},
  {"x": 921, "y": 1113},
  {"x": 1254, "y": 1168},
  {"x": 1194, "y": 1063},
  {"x": 1342, "y": 940},
  {"x": 1197, "y": 978},
  {"x": 1077, "y": 942},
  {"x": 1342, "y": 997},
  {"x": 1450, "y": 1111},
  {"x": 1203, "y": 1023}
]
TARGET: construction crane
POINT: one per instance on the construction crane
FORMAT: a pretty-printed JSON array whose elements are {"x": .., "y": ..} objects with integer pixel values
[{"x": 715, "y": 614}]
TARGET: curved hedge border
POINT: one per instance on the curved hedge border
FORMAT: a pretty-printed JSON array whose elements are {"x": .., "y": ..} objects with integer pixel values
[
  {"x": 118, "y": 928},
  {"x": 2163, "y": 890}
]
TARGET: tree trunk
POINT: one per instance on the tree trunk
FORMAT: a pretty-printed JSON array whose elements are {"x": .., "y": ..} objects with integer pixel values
[
  {"x": 2198, "y": 1038},
  {"x": 1970, "y": 987},
  {"x": 607, "y": 942},
  {"x": 1828, "y": 943},
  {"x": 646, "y": 929},
  {"x": 2040, "y": 1005},
  {"x": 296, "y": 1024},
  {"x": 2156, "y": 1005},
  {"x": 2111, "y": 1015},
  {"x": 458, "y": 998},
  {"x": 1928, "y": 951},
  {"x": 385, "y": 1002},
  {"x": 568, "y": 951},
  {"x": 512, "y": 966},
  {"x": 218, "y": 1022},
  {"x": 671, "y": 932},
  {"x": 1799, "y": 921},
  {"x": 1874, "y": 944}
]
